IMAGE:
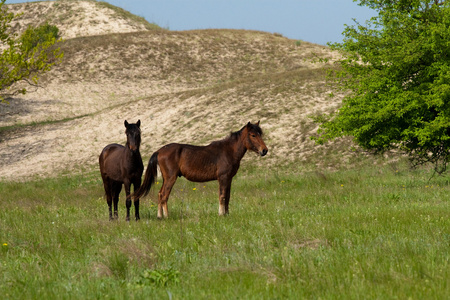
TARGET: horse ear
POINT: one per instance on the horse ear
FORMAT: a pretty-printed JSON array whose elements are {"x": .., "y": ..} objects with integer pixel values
[
  {"x": 249, "y": 124},
  {"x": 258, "y": 123},
  {"x": 138, "y": 123},
  {"x": 125, "y": 123}
]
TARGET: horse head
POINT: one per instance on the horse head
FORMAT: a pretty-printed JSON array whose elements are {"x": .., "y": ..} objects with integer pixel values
[
  {"x": 253, "y": 138},
  {"x": 133, "y": 133}
]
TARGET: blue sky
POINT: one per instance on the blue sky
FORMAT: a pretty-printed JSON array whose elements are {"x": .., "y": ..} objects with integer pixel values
[{"x": 316, "y": 21}]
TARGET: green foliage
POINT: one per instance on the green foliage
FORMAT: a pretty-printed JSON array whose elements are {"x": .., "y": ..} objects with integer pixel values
[
  {"x": 159, "y": 278},
  {"x": 34, "y": 36},
  {"x": 26, "y": 57},
  {"x": 396, "y": 68}
]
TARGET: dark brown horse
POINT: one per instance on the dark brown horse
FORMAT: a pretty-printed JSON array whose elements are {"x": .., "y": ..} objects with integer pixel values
[
  {"x": 218, "y": 161},
  {"x": 122, "y": 165}
]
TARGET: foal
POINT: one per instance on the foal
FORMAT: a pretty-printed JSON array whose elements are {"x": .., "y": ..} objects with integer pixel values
[
  {"x": 122, "y": 165},
  {"x": 219, "y": 160}
]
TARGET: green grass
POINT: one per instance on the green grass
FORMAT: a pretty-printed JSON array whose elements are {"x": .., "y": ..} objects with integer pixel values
[{"x": 355, "y": 234}]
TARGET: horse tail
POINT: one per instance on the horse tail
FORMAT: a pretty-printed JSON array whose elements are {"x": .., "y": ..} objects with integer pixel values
[{"x": 150, "y": 176}]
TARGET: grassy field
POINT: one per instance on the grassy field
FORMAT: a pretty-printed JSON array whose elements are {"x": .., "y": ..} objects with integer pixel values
[{"x": 371, "y": 233}]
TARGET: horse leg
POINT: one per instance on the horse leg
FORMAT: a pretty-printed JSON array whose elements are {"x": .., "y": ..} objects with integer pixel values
[
  {"x": 109, "y": 201},
  {"x": 136, "y": 209},
  {"x": 224, "y": 195},
  {"x": 136, "y": 187},
  {"x": 116, "y": 188},
  {"x": 107, "y": 184},
  {"x": 227, "y": 197},
  {"x": 127, "y": 185},
  {"x": 163, "y": 196}
]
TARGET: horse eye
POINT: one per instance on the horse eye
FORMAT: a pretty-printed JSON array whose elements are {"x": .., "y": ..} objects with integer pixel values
[{"x": 253, "y": 135}]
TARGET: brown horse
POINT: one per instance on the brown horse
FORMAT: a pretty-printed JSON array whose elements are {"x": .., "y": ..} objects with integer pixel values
[
  {"x": 218, "y": 161},
  {"x": 122, "y": 165}
]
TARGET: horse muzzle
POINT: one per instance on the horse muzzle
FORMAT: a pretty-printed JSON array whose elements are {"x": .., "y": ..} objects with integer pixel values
[
  {"x": 132, "y": 148},
  {"x": 263, "y": 152}
]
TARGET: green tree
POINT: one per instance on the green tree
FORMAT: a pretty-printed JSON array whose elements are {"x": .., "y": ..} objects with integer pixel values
[
  {"x": 23, "y": 58},
  {"x": 396, "y": 71}
]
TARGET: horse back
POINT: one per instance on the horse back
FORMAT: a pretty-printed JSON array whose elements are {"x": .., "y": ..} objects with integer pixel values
[
  {"x": 195, "y": 163},
  {"x": 111, "y": 152}
]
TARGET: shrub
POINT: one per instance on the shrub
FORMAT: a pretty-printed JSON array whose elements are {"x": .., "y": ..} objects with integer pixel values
[{"x": 34, "y": 36}]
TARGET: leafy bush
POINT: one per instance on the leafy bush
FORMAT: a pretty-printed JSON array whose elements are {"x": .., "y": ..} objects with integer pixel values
[
  {"x": 34, "y": 36},
  {"x": 25, "y": 58}
]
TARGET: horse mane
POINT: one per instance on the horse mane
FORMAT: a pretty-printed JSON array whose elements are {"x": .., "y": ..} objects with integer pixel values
[
  {"x": 234, "y": 136},
  {"x": 237, "y": 134}
]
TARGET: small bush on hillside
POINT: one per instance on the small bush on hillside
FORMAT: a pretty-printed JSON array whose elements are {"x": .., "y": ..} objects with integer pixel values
[
  {"x": 24, "y": 58},
  {"x": 33, "y": 37}
]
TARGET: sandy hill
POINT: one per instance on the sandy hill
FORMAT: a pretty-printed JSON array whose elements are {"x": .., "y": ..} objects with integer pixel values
[
  {"x": 78, "y": 18},
  {"x": 190, "y": 87}
]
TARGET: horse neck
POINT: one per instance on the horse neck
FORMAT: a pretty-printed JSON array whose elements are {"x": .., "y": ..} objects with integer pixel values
[
  {"x": 132, "y": 156},
  {"x": 238, "y": 147}
]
